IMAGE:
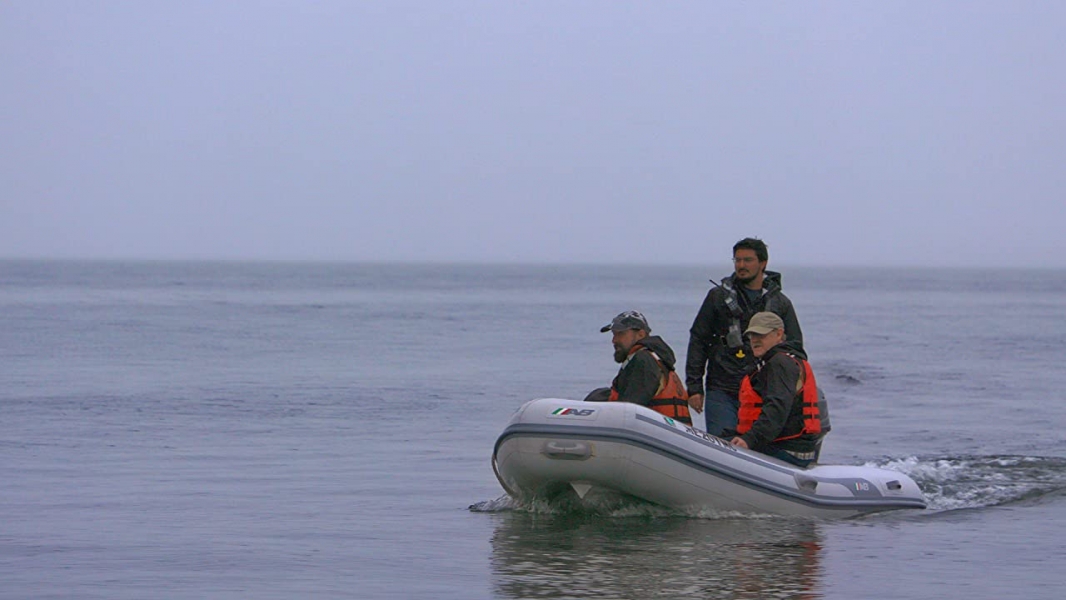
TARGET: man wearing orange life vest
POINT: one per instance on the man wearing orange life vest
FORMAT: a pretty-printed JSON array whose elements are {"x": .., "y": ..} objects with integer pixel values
[
  {"x": 647, "y": 376},
  {"x": 779, "y": 413}
]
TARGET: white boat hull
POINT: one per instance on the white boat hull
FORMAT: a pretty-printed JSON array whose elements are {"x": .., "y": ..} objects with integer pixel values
[{"x": 552, "y": 445}]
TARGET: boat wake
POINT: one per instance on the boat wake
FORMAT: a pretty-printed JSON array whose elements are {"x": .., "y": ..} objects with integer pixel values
[
  {"x": 569, "y": 505},
  {"x": 970, "y": 482},
  {"x": 610, "y": 506},
  {"x": 949, "y": 484}
]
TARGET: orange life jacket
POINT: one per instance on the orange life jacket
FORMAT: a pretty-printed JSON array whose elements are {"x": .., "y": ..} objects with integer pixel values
[
  {"x": 751, "y": 404},
  {"x": 671, "y": 399}
]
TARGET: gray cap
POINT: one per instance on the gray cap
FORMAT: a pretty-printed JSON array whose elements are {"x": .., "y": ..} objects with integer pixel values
[
  {"x": 763, "y": 323},
  {"x": 630, "y": 319}
]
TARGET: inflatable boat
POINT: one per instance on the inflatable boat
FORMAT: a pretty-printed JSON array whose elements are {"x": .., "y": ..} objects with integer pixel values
[{"x": 595, "y": 449}]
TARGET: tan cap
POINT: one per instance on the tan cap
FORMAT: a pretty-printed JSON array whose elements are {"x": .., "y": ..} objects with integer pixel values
[{"x": 763, "y": 323}]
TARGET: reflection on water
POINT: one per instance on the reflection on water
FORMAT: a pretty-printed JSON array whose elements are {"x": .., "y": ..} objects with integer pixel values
[{"x": 583, "y": 556}]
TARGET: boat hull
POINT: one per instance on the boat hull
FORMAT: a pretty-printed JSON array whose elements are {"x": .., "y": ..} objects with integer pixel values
[{"x": 552, "y": 445}]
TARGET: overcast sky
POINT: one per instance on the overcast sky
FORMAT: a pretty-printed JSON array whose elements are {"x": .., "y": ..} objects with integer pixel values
[{"x": 896, "y": 133}]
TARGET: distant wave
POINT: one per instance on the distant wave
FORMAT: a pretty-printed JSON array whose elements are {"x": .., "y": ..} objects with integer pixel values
[
  {"x": 849, "y": 373},
  {"x": 849, "y": 379}
]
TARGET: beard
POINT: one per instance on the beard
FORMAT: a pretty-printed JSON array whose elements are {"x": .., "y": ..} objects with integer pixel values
[
  {"x": 620, "y": 354},
  {"x": 747, "y": 280}
]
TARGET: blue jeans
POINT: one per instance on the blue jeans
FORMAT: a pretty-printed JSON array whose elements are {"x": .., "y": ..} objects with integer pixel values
[{"x": 720, "y": 409}]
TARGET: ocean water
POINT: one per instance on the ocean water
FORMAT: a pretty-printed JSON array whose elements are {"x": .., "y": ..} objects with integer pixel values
[{"x": 261, "y": 430}]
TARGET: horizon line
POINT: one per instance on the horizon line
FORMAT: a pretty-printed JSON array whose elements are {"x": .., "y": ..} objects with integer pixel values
[{"x": 772, "y": 266}]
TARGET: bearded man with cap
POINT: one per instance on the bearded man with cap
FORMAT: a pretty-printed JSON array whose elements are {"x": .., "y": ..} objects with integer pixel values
[
  {"x": 647, "y": 376},
  {"x": 779, "y": 405}
]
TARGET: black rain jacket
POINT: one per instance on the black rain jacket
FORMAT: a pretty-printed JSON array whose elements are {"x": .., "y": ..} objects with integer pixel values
[
  {"x": 640, "y": 376},
  {"x": 708, "y": 350}
]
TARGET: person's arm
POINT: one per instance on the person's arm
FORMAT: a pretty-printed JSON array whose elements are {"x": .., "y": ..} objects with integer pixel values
[
  {"x": 777, "y": 387},
  {"x": 700, "y": 337},
  {"x": 640, "y": 379}
]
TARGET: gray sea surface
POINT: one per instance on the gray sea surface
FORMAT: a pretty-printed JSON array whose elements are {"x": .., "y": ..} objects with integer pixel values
[{"x": 275, "y": 430}]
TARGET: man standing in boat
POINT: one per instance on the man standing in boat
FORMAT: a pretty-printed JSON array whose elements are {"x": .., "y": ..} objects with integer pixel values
[
  {"x": 716, "y": 346},
  {"x": 647, "y": 376},
  {"x": 779, "y": 410}
]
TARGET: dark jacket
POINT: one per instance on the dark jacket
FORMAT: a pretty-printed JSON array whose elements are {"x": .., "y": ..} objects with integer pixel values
[
  {"x": 709, "y": 349},
  {"x": 775, "y": 380},
  {"x": 640, "y": 376}
]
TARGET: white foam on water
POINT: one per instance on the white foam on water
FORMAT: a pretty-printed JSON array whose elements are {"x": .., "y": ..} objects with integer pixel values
[
  {"x": 956, "y": 483},
  {"x": 504, "y": 503}
]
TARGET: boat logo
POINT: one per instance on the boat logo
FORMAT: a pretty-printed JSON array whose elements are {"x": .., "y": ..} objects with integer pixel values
[{"x": 573, "y": 412}]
